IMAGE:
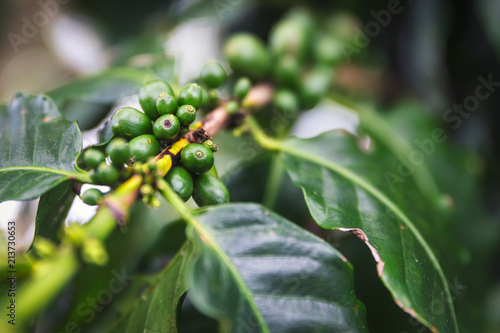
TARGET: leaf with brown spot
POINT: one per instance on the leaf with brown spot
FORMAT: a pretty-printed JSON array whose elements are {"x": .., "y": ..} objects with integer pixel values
[{"x": 345, "y": 189}]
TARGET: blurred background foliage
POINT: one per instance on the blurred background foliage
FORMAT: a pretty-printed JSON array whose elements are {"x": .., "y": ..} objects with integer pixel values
[{"x": 429, "y": 55}]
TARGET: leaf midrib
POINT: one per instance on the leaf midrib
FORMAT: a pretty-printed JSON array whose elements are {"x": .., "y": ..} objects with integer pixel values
[
  {"x": 292, "y": 150},
  {"x": 392, "y": 139},
  {"x": 191, "y": 219},
  {"x": 77, "y": 175}
]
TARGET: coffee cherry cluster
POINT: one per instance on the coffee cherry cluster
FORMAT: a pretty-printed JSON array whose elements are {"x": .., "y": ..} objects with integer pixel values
[
  {"x": 140, "y": 136},
  {"x": 197, "y": 177},
  {"x": 299, "y": 59}
]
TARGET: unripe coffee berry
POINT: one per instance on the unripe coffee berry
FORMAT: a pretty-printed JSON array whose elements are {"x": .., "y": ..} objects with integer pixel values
[
  {"x": 186, "y": 114},
  {"x": 232, "y": 107},
  {"x": 107, "y": 174},
  {"x": 143, "y": 147},
  {"x": 242, "y": 87},
  {"x": 213, "y": 75},
  {"x": 93, "y": 157},
  {"x": 118, "y": 151},
  {"x": 181, "y": 181},
  {"x": 286, "y": 101},
  {"x": 166, "y": 127},
  {"x": 191, "y": 95},
  {"x": 149, "y": 94},
  {"x": 247, "y": 55},
  {"x": 197, "y": 158},
  {"x": 92, "y": 197},
  {"x": 130, "y": 123},
  {"x": 166, "y": 103}
]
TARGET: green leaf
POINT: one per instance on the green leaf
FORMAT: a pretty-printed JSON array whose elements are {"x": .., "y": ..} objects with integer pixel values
[
  {"x": 257, "y": 272},
  {"x": 347, "y": 189},
  {"x": 156, "y": 309},
  {"x": 89, "y": 99},
  {"x": 37, "y": 148},
  {"x": 448, "y": 163},
  {"x": 52, "y": 211},
  {"x": 129, "y": 252},
  {"x": 488, "y": 12}
]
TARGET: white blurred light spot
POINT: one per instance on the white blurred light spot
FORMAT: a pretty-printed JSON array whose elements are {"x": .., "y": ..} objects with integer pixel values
[
  {"x": 192, "y": 44},
  {"x": 81, "y": 212},
  {"x": 327, "y": 116},
  {"x": 8, "y": 212},
  {"x": 77, "y": 44}
]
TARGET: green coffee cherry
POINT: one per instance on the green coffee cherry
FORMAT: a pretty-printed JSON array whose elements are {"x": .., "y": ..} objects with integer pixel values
[
  {"x": 186, "y": 114},
  {"x": 149, "y": 94},
  {"x": 166, "y": 127},
  {"x": 143, "y": 147},
  {"x": 191, "y": 95},
  {"x": 213, "y": 75},
  {"x": 327, "y": 50},
  {"x": 197, "y": 158},
  {"x": 314, "y": 86},
  {"x": 286, "y": 100},
  {"x": 118, "y": 151},
  {"x": 181, "y": 181},
  {"x": 242, "y": 87},
  {"x": 343, "y": 26},
  {"x": 210, "y": 98},
  {"x": 213, "y": 97},
  {"x": 303, "y": 17},
  {"x": 204, "y": 98},
  {"x": 92, "y": 197},
  {"x": 213, "y": 171},
  {"x": 209, "y": 190},
  {"x": 247, "y": 55},
  {"x": 289, "y": 37},
  {"x": 129, "y": 123},
  {"x": 93, "y": 157},
  {"x": 107, "y": 174},
  {"x": 232, "y": 107},
  {"x": 166, "y": 103},
  {"x": 286, "y": 71}
]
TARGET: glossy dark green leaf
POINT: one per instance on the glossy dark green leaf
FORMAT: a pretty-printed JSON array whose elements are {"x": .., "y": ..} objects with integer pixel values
[
  {"x": 89, "y": 99},
  {"x": 37, "y": 148},
  {"x": 257, "y": 272},
  {"x": 156, "y": 309},
  {"x": 53, "y": 208},
  {"x": 456, "y": 170},
  {"x": 348, "y": 189}
]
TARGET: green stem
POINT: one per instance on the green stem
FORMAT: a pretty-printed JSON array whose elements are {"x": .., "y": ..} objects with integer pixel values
[
  {"x": 117, "y": 205},
  {"x": 262, "y": 138},
  {"x": 55, "y": 272},
  {"x": 273, "y": 183},
  {"x": 50, "y": 277}
]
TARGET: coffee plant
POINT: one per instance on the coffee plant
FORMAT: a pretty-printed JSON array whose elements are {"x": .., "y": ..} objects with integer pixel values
[{"x": 212, "y": 215}]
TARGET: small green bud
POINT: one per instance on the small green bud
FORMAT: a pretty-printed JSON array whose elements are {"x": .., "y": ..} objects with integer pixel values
[
  {"x": 242, "y": 87},
  {"x": 232, "y": 107}
]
